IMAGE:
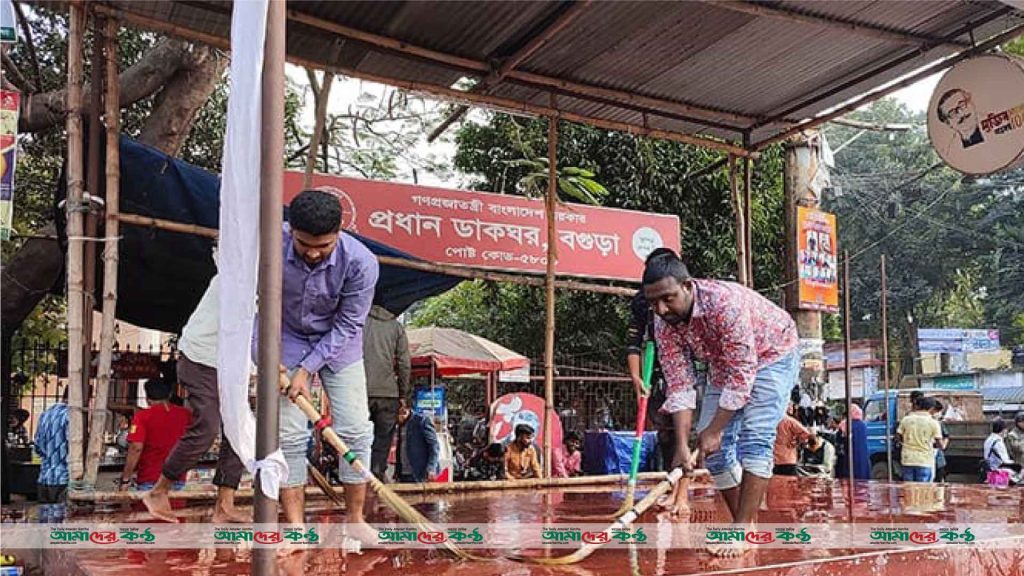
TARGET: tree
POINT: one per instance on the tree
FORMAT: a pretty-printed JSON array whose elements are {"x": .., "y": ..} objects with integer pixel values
[
  {"x": 164, "y": 84},
  {"x": 955, "y": 245}
]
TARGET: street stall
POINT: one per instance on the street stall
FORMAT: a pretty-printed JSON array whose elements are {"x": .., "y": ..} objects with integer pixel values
[{"x": 683, "y": 72}]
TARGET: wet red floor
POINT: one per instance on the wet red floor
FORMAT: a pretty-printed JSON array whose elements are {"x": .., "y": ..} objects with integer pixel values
[{"x": 789, "y": 500}]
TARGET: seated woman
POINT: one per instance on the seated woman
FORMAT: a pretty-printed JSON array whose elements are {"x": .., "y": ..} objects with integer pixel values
[{"x": 1001, "y": 468}]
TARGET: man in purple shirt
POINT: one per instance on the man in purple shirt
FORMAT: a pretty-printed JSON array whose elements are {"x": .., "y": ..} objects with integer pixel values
[{"x": 329, "y": 278}]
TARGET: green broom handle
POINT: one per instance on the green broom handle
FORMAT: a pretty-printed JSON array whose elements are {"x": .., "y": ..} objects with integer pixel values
[{"x": 641, "y": 417}]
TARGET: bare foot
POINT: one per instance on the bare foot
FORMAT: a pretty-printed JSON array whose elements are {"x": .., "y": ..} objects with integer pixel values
[
  {"x": 361, "y": 531},
  {"x": 159, "y": 506},
  {"x": 223, "y": 514}
]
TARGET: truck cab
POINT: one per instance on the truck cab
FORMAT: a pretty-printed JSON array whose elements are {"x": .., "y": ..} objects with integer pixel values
[{"x": 962, "y": 416}]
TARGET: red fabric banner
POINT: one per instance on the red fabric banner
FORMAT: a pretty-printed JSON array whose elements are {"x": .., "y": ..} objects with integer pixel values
[{"x": 496, "y": 231}]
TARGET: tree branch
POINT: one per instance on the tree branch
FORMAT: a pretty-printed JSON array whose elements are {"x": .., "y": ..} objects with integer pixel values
[
  {"x": 41, "y": 111},
  {"x": 27, "y": 31},
  {"x": 16, "y": 77}
]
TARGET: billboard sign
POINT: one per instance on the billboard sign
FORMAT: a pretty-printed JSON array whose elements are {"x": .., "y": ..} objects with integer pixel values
[
  {"x": 976, "y": 114},
  {"x": 496, "y": 231},
  {"x": 817, "y": 262},
  {"x": 957, "y": 340}
]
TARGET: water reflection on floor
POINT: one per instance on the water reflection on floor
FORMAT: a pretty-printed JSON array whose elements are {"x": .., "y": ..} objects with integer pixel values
[{"x": 789, "y": 500}]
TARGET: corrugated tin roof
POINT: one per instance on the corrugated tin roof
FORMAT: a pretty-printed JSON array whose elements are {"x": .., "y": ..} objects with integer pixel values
[
  {"x": 710, "y": 55},
  {"x": 1004, "y": 395}
]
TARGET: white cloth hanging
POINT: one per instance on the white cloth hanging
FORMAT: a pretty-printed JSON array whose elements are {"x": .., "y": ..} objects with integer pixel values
[{"x": 238, "y": 261}]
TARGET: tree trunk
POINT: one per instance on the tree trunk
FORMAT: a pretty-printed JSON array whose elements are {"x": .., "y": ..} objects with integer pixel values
[
  {"x": 41, "y": 111},
  {"x": 184, "y": 94},
  {"x": 188, "y": 75}
]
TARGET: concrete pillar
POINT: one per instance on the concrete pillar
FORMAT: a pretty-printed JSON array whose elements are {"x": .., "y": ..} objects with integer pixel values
[{"x": 804, "y": 174}]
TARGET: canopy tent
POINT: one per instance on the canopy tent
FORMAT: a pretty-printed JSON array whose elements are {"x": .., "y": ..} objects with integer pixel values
[
  {"x": 162, "y": 274},
  {"x": 723, "y": 74},
  {"x": 451, "y": 352}
]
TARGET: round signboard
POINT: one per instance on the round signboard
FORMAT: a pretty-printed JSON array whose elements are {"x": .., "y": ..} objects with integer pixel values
[{"x": 976, "y": 115}]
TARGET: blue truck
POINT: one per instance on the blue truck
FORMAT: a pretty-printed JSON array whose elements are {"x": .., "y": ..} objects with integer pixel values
[{"x": 962, "y": 416}]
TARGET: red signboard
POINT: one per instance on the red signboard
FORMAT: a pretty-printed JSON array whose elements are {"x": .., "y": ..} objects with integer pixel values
[{"x": 496, "y": 231}]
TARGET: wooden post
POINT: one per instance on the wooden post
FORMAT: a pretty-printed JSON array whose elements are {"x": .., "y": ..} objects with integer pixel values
[
  {"x": 885, "y": 367},
  {"x": 848, "y": 371},
  {"x": 550, "y": 203},
  {"x": 112, "y": 113},
  {"x": 75, "y": 228},
  {"x": 748, "y": 219},
  {"x": 318, "y": 126},
  {"x": 741, "y": 242},
  {"x": 93, "y": 189}
]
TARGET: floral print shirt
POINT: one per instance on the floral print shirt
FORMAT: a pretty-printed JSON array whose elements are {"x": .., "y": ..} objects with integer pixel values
[{"x": 734, "y": 330}]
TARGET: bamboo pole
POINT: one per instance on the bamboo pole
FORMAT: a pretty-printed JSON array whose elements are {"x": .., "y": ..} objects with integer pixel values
[
  {"x": 313, "y": 492},
  {"x": 318, "y": 127},
  {"x": 75, "y": 228},
  {"x": 748, "y": 220},
  {"x": 848, "y": 373},
  {"x": 449, "y": 269},
  {"x": 885, "y": 367},
  {"x": 112, "y": 112},
  {"x": 741, "y": 242},
  {"x": 550, "y": 204},
  {"x": 485, "y": 100},
  {"x": 94, "y": 190}
]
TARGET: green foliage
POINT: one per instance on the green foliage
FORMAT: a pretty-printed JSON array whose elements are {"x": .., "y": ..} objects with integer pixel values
[{"x": 955, "y": 245}]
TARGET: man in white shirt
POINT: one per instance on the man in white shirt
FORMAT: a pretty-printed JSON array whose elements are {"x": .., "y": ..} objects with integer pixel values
[{"x": 197, "y": 372}]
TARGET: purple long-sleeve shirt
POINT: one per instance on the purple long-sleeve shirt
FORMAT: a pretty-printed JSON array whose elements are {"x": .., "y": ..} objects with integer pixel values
[{"x": 324, "y": 307}]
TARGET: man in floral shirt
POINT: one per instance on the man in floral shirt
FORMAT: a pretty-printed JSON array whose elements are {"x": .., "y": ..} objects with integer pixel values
[{"x": 750, "y": 347}]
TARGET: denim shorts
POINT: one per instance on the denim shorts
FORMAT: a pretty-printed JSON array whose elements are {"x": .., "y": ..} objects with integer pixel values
[
  {"x": 350, "y": 415},
  {"x": 748, "y": 440}
]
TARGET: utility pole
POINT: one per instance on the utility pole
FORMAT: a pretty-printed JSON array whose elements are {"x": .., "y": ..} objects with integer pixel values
[{"x": 804, "y": 173}]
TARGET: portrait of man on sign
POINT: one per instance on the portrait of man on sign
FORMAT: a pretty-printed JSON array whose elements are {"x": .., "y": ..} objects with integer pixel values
[{"x": 956, "y": 110}]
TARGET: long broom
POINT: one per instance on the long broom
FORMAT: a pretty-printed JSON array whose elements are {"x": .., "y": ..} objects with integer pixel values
[
  {"x": 641, "y": 420},
  {"x": 400, "y": 506},
  {"x": 621, "y": 522}
]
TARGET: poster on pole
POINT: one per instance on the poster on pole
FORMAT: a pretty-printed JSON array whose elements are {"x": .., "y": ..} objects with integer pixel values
[
  {"x": 9, "y": 101},
  {"x": 817, "y": 263},
  {"x": 496, "y": 231}
]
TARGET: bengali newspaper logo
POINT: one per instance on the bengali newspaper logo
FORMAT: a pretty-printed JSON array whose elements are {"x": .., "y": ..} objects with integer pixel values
[
  {"x": 297, "y": 536},
  {"x": 388, "y": 536},
  {"x": 954, "y": 536},
  {"x": 137, "y": 536},
  {"x": 792, "y": 535},
  {"x": 627, "y": 536},
  {"x": 70, "y": 536},
  {"x": 233, "y": 535},
  {"x": 464, "y": 535},
  {"x": 889, "y": 535},
  {"x": 724, "y": 535},
  {"x": 560, "y": 535}
]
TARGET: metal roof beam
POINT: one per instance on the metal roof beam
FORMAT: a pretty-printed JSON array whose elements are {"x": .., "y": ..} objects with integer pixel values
[
  {"x": 482, "y": 68},
  {"x": 835, "y": 23},
  {"x": 985, "y": 46},
  {"x": 508, "y": 64},
  {"x": 807, "y": 100},
  {"x": 444, "y": 92}
]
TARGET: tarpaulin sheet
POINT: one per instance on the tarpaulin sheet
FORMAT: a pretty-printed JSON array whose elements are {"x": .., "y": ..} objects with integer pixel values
[
  {"x": 612, "y": 452},
  {"x": 162, "y": 275}
]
